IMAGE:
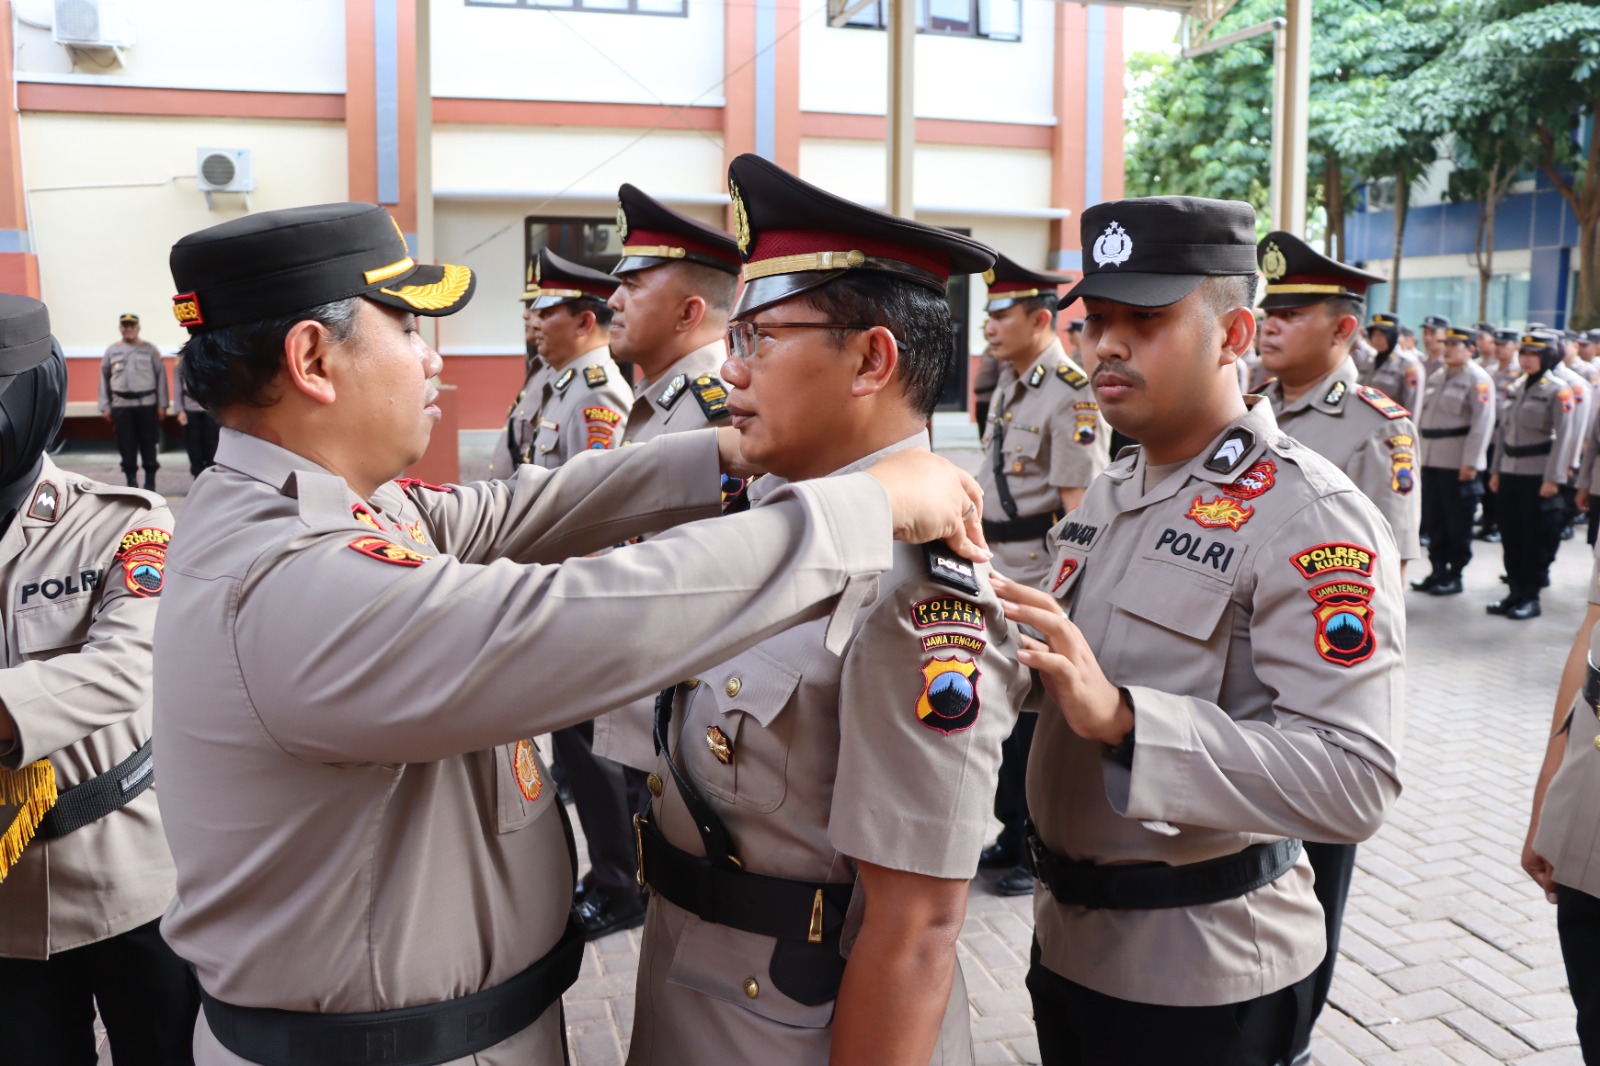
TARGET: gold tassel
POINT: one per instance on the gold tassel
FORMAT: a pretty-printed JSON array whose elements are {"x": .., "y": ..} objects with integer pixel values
[{"x": 33, "y": 789}]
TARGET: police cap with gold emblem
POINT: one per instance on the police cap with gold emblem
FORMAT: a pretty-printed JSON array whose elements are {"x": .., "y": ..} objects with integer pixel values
[
  {"x": 554, "y": 280},
  {"x": 1457, "y": 335},
  {"x": 795, "y": 237},
  {"x": 1435, "y": 322},
  {"x": 1506, "y": 336},
  {"x": 1154, "y": 251},
  {"x": 24, "y": 336},
  {"x": 129, "y": 319},
  {"x": 1389, "y": 325},
  {"x": 280, "y": 262},
  {"x": 653, "y": 233},
  {"x": 1009, "y": 282},
  {"x": 1298, "y": 275}
]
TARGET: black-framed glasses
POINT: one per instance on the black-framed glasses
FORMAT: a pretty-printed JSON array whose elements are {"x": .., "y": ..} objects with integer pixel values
[{"x": 742, "y": 339}]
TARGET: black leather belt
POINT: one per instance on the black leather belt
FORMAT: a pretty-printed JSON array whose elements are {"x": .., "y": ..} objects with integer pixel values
[
  {"x": 91, "y": 800},
  {"x": 1523, "y": 451},
  {"x": 1435, "y": 434},
  {"x": 1028, "y": 527},
  {"x": 1591, "y": 688},
  {"x": 1156, "y": 885},
  {"x": 132, "y": 395},
  {"x": 409, "y": 1036}
]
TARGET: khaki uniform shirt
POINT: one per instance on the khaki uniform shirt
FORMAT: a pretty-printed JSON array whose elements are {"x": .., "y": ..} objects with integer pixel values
[
  {"x": 345, "y": 689},
  {"x": 134, "y": 369},
  {"x": 1265, "y": 667},
  {"x": 1457, "y": 399},
  {"x": 1583, "y": 402},
  {"x": 1401, "y": 377},
  {"x": 521, "y": 420},
  {"x": 835, "y": 759},
  {"x": 75, "y": 677},
  {"x": 582, "y": 407},
  {"x": 1588, "y": 469},
  {"x": 680, "y": 399},
  {"x": 181, "y": 400},
  {"x": 1054, "y": 438},
  {"x": 1367, "y": 438},
  {"x": 1534, "y": 414}
]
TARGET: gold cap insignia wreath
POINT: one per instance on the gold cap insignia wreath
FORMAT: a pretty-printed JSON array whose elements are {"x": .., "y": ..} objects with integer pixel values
[
  {"x": 741, "y": 220},
  {"x": 442, "y": 293},
  {"x": 622, "y": 223},
  {"x": 988, "y": 276},
  {"x": 1273, "y": 263}
]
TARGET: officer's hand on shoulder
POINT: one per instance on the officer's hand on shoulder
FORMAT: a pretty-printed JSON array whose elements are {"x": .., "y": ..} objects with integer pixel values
[{"x": 930, "y": 498}]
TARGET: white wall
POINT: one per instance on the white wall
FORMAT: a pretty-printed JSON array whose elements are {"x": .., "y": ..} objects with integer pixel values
[
  {"x": 255, "y": 45},
  {"x": 581, "y": 162},
  {"x": 943, "y": 175},
  {"x": 539, "y": 54},
  {"x": 845, "y": 70}
]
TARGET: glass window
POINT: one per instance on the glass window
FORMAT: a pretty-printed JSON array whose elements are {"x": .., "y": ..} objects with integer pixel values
[
  {"x": 590, "y": 241},
  {"x": 628, "y": 7},
  {"x": 1457, "y": 299},
  {"x": 999, "y": 20}
]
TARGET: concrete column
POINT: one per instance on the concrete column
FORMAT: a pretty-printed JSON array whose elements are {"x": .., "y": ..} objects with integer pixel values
[{"x": 902, "y": 117}]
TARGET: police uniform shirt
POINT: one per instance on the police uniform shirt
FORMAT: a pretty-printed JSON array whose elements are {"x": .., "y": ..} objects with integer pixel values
[
  {"x": 181, "y": 400},
  {"x": 1582, "y": 401},
  {"x": 583, "y": 407},
  {"x": 137, "y": 372},
  {"x": 345, "y": 689},
  {"x": 831, "y": 759},
  {"x": 1400, "y": 377},
  {"x": 1368, "y": 437},
  {"x": 1588, "y": 477},
  {"x": 520, "y": 422},
  {"x": 81, "y": 566},
  {"x": 1054, "y": 438},
  {"x": 1253, "y": 612},
  {"x": 1543, "y": 411},
  {"x": 1459, "y": 398}
]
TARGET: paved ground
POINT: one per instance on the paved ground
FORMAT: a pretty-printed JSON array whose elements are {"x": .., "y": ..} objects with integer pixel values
[{"x": 1450, "y": 952}]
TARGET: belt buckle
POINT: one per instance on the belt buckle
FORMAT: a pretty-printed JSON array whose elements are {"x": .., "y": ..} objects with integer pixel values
[{"x": 638, "y": 850}]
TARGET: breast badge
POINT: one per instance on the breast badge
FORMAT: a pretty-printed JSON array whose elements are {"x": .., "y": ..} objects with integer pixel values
[
  {"x": 386, "y": 551},
  {"x": 721, "y": 747},
  {"x": 529, "y": 783},
  {"x": 1253, "y": 482},
  {"x": 949, "y": 699},
  {"x": 1220, "y": 512},
  {"x": 1344, "y": 622},
  {"x": 143, "y": 555}
]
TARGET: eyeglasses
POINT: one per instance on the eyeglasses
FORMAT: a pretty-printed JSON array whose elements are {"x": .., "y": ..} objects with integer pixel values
[{"x": 742, "y": 339}]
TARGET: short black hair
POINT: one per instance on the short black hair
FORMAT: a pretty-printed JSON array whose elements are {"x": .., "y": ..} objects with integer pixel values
[
  {"x": 595, "y": 306},
  {"x": 235, "y": 365},
  {"x": 717, "y": 287},
  {"x": 1225, "y": 292},
  {"x": 918, "y": 317},
  {"x": 1039, "y": 303}
]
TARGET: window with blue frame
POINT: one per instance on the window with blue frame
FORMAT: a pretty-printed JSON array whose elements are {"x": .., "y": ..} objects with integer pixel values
[
  {"x": 1456, "y": 298},
  {"x": 995, "y": 20}
]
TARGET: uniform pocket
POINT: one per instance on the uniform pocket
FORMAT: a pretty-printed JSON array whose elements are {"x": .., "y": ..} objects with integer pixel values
[
  {"x": 748, "y": 762},
  {"x": 53, "y": 627},
  {"x": 729, "y": 964},
  {"x": 546, "y": 437},
  {"x": 1166, "y": 631}
]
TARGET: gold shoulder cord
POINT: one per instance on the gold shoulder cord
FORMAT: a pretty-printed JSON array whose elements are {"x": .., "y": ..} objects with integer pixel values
[{"x": 33, "y": 790}]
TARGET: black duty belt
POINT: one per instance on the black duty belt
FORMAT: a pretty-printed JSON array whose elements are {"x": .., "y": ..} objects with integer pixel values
[
  {"x": 1435, "y": 434},
  {"x": 1523, "y": 451},
  {"x": 91, "y": 800},
  {"x": 1591, "y": 688},
  {"x": 409, "y": 1036},
  {"x": 1156, "y": 885},
  {"x": 1028, "y": 527},
  {"x": 132, "y": 395}
]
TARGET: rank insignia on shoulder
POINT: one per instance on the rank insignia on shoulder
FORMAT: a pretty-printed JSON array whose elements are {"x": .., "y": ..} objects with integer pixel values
[
  {"x": 948, "y": 568},
  {"x": 712, "y": 395},
  {"x": 1231, "y": 452},
  {"x": 594, "y": 376},
  {"x": 674, "y": 389},
  {"x": 1381, "y": 403},
  {"x": 1067, "y": 371},
  {"x": 948, "y": 702},
  {"x": 46, "y": 503},
  {"x": 143, "y": 555},
  {"x": 386, "y": 551},
  {"x": 529, "y": 783},
  {"x": 565, "y": 379},
  {"x": 1344, "y": 622},
  {"x": 1036, "y": 378},
  {"x": 1335, "y": 395}
]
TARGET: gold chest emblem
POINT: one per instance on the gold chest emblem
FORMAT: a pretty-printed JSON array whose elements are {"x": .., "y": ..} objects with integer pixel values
[{"x": 721, "y": 747}]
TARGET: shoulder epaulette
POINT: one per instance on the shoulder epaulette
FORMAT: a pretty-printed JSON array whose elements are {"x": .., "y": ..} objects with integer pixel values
[
  {"x": 713, "y": 396},
  {"x": 565, "y": 379},
  {"x": 1035, "y": 378},
  {"x": 594, "y": 376},
  {"x": 1069, "y": 372},
  {"x": 674, "y": 389},
  {"x": 1335, "y": 395},
  {"x": 1381, "y": 403},
  {"x": 948, "y": 568}
]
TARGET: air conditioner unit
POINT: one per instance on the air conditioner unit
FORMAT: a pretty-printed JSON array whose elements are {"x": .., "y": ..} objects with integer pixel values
[
  {"x": 92, "y": 24},
  {"x": 224, "y": 170}
]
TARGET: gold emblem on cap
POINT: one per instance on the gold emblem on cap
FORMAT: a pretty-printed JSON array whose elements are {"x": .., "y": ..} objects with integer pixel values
[
  {"x": 721, "y": 747},
  {"x": 988, "y": 276},
  {"x": 622, "y": 223},
  {"x": 442, "y": 293},
  {"x": 741, "y": 219},
  {"x": 1273, "y": 263}
]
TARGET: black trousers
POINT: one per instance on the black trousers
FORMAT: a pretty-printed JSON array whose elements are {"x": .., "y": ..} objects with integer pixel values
[
  {"x": 138, "y": 430},
  {"x": 1491, "y": 520},
  {"x": 601, "y": 791},
  {"x": 200, "y": 440},
  {"x": 147, "y": 997},
  {"x": 1578, "y": 926},
  {"x": 1451, "y": 503},
  {"x": 1530, "y": 531},
  {"x": 1334, "y": 864},
  {"x": 1011, "y": 792},
  {"x": 1080, "y": 1027}
]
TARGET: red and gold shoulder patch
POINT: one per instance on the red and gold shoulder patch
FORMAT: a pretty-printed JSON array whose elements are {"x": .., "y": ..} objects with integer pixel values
[
  {"x": 387, "y": 551},
  {"x": 186, "y": 309},
  {"x": 601, "y": 423},
  {"x": 1086, "y": 417},
  {"x": 364, "y": 516},
  {"x": 526, "y": 767},
  {"x": 1484, "y": 392},
  {"x": 1344, "y": 622},
  {"x": 1322, "y": 559},
  {"x": 408, "y": 483},
  {"x": 143, "y": 555},
  {"x": 1220, "y": 512},
  {"x": 948, "y": 702},
  {"x": 1253, "y": 482},
  {"x": 1565, "y": 396},
  {"x": 1381, "y": 403},
  {"x": 1402, "y": 471}
]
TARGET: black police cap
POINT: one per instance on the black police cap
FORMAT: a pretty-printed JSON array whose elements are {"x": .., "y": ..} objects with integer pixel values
[
  {"x": 1457, "y": 335},
  {"x": 24, "y": 336},
  {"x": 1298, "y": 275},
  {"x": 1506, "y": 336},
  {"x": 554, "y": 279},
  {"x": 1009, "y": 282},
  {"x": 282, "y": 262},
  {"x": 1435, "y": 322},
  {"x": 795, "y": 237},
  {"x": 653, "y": 233},
  {"x": 1154, "y": 251}
]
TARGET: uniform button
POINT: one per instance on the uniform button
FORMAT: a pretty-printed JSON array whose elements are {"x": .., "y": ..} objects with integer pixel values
[
  {"x": 1597, "y": 743},
  {"x": 731, "y": 688},
  {"x": 1019, "y": 447},
  {"x": 653, "y": 782},
  {"x": 1008, "y": 416},
  {"x": 1033, "y": 555},
  {"x": 751, "y": 988},
  {"x": 693, "y": 682}
]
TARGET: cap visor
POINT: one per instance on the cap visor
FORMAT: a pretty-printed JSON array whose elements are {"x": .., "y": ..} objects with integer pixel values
[
  {"x": 1137, "y": 290},
  {"x": 762, "y": 293},
  {"x": 428, "y": 290},
  {"x": 1284, "y": 301}
]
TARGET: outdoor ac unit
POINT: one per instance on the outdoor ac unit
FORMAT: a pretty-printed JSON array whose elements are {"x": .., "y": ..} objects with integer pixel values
[
  {"x": 92, "y": 24},
  {"x": 224, "y": 170}
]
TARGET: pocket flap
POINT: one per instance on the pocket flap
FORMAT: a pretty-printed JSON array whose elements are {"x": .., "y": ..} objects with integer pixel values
[
  {"x": 754, "y": 683},
  {"x": 53, "y": 626},
  {"x": 718, "y": 960},
  {"x": 1173, "y": 598}
]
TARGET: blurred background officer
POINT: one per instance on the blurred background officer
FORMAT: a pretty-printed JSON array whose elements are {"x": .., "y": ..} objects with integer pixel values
[
  {"x": 349, "y": 670},
  {"x": 822, "y": 793},
  {"x": 1503, "y": 372},
  {"x": 79, "y": 910},
  {"x": 133, "y": 398},
  {"x": 1483, "y": 344},
  {"x": 516, "y": 447},
  {"x": 1044, "y": 443},
  {"x": 1584, "y": 401},
  {"x": 1434, "y": 328},
  {"x": 983, "y": 383},
  {"x": 199, "y": 428},
  {"x": 584, "y": 399},
  {"x": 1230, "y": 680},
  {"x": 1534, "y": 444},
  {"x": 1457, "y": 424},
  {"x": 1395, "y": 373}
]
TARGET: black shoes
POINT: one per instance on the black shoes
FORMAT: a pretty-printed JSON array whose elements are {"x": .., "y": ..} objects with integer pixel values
[
  {"x": 1429, "y": 583},
  {"x": 602, "y": 913},
  {"x": 1450, "y": 586},
  {"x": 1501, "y": 607},
  {"x": 998, "y": 856},
  {"x": 1018, "y": 881},
  {"x": 1525, "y": 610}
]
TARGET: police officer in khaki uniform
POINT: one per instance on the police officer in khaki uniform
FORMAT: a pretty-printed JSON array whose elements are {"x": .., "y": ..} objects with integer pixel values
[
  {"x": 349, "y": 670},
  {"x": 584, "y": 400},
  {"x": 133, "y": 398},
  {"x": 1229, "y": 682},
  {"x": 1434, "y": 329},
  {"x": 1534, "y": 446},
  {"x": 199, "y": 428},
  {"x": 1457, "y": 425},
  {"x": 1503, "y": 372},
  {"x": 516, "y": 447},
  {"x": 81, "y": 564},
  {"x": 823, "y": 796},
  {"x": 1392, "y": 371}
]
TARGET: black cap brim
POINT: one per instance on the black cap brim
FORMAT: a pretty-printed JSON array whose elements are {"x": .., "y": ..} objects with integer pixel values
[
  {"x": 1136, "y": 290},
  {"x": 1000, "y": 303},
  {"x": 428, "y": 290},
  {"x": 1285, "y": 300},
  {"x": 761, "y": 293},
  {"x": 14, "y": 362}
]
